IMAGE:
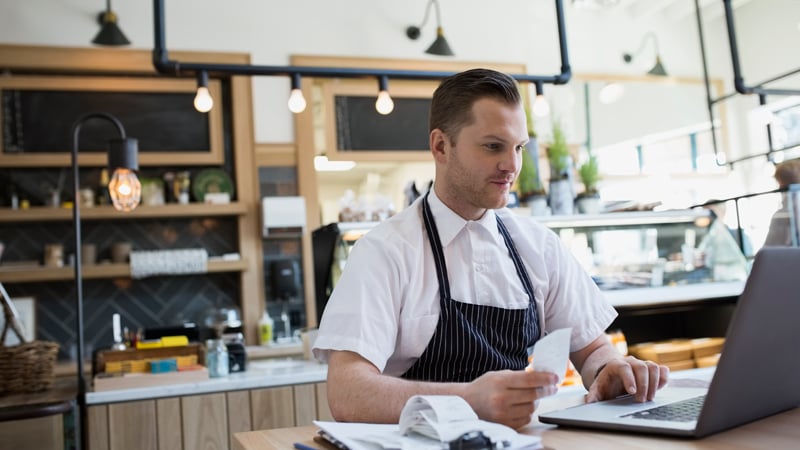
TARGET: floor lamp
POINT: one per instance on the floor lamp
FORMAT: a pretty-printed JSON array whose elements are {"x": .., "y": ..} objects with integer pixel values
[{"x": 125, "y": 191}]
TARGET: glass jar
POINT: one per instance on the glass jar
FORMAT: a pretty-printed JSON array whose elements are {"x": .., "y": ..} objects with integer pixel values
[{"x": 216, "y": 358}]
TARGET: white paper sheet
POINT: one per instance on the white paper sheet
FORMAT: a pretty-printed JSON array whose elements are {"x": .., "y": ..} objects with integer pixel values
[{"x": 551, "y": 353}]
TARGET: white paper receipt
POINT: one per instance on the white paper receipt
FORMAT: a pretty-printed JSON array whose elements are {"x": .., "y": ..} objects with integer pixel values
[{"x": 551, "y": 353}]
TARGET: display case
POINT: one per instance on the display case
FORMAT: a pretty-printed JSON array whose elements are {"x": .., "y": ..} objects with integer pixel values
[{"x": 645, "y": 258}]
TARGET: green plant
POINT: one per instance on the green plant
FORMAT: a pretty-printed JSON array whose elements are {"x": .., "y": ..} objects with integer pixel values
[
  {"x": 590, "y": 174},
  {"x": 558, "y": 153},
  {"x": 529, "y": 183}
]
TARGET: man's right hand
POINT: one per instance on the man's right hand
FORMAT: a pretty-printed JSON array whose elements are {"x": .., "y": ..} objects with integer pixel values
[{"x": 509, "y": 397}]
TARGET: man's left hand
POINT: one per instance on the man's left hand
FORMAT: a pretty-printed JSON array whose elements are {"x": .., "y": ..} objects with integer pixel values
[{"x": 628, "y": 375}]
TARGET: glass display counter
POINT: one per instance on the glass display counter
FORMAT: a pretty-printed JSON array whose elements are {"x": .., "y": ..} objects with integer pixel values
[{"x": 644, "y": 257}]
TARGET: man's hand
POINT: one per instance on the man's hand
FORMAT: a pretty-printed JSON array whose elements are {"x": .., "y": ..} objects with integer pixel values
[
  {"x": 509, "y": 397},
  {"x": 628, "y": 375}
]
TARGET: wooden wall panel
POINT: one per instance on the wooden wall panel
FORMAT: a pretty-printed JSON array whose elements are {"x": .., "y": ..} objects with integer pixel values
[
  {"x": 132, "y": 425},
  {"x": 33, "y": 434},
  {"x": 204, "y": 422},
  {"x": 238, "y": 413},
  {"x": 305, "y": 405},
  {"x": 168, "y": 413},
  {"x": 97, "y": 425},
  {"x": 272, "y": 408}
]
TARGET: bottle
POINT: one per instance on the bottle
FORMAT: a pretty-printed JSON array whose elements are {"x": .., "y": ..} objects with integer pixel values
[
  {"x": 265, "y": 327},
  {"x": 216, "y": 358},
  {"x": 103, "y": 197},
  {"x": 13, "y": 199}
]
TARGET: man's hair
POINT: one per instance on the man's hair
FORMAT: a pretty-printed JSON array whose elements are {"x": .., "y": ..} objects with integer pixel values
[
  {"x": 451, "y": 107},
  {"x": 788, "y": 172}
]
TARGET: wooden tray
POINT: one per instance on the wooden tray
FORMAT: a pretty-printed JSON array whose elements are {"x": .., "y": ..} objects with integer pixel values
[{"x": 103, "y": 356}]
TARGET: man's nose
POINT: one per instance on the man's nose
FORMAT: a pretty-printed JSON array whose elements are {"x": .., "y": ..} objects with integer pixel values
[{"x": 510, "y": 161}]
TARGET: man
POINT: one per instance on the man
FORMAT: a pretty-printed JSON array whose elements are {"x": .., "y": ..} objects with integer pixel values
[
  {"x": 447, "y": 296},
  {"x": 780, "y": 229}
]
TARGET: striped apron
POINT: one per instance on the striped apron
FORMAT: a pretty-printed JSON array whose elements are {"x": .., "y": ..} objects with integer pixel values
[{"x": 471, "y": 340}]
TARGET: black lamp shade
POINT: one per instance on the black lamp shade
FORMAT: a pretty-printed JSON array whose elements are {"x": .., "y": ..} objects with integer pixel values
[
  {"x": 110, "y": 34},
  {"x": 658, "y": 68},
  {"x": 123, "y": 153},
  {"x": 440, "y": 45}
]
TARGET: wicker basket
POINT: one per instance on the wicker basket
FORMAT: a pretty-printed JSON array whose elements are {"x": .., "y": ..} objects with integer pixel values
[{"x": 27, "y": 367}]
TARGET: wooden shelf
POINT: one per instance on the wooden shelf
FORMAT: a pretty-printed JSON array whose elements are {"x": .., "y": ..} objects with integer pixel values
[
  {"x": 98, "y": 271},
  {"x": 50, "y": 214}
]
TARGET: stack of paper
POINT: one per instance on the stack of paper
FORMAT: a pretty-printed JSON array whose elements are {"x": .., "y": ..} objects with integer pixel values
[{"x": 427, "y": 422}]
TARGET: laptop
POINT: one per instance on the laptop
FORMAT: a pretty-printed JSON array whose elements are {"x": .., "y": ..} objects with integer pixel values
[{"x": 756, "y": 375}]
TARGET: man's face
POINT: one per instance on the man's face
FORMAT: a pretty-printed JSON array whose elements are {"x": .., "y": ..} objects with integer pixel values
[{"x": 477, "y": 169}]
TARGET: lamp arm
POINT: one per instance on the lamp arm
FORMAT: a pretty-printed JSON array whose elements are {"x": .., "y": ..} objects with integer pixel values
[
  {"x": 647, "y": 36},
  {"x": 438, "y": 13},
  {"x": 428, "y": 13},
  {"x": 81, "y": 419}
]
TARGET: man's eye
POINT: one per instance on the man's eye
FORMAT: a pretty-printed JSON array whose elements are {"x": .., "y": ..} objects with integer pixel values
[
  {"x": 494, "y": 147},
  {"x": 520, "y": 148}
]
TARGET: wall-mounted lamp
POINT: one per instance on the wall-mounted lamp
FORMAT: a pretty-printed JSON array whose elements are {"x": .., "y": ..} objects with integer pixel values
[
  {"x": 202, "y": 100},
  {"x": 658, "y": 68},
  {"x": 126, "y": 191},
  {"x": 384, "y": 104},
  {"x": 440, "y": 46},
  {"x": 109, "y": 33},
  {"x": 296, "y": 103},
  {"x": 541, "y": 107}
]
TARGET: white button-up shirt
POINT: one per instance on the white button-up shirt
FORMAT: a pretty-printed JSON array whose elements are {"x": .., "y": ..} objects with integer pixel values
[{"x": 385, "y": 306}]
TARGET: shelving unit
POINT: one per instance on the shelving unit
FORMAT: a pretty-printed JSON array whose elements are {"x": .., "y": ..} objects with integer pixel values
[
  {"x": 52, "y": 214},
  {"x": 128, "y": 75},
  {"x": 98, "y": 271}
]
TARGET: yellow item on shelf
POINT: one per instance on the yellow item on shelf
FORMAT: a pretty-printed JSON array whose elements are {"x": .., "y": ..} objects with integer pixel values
[
  {"x": 174, "y": 341},
  {"x": 151, "y": 343}
]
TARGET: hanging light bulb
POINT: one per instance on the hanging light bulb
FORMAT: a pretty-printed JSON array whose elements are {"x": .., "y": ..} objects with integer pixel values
[
  {"x": 203, "y": 101},
  {"x": 541, "y": 107},
  {"x": 296, "y": 103},
  {"x": 125, "y": 189},
  {"x": 384, "y": 104}
]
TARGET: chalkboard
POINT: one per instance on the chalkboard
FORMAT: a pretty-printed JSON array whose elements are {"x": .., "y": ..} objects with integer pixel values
[
  {"x": 359, "y": 127},
  {"x": 40, "y": 121}
]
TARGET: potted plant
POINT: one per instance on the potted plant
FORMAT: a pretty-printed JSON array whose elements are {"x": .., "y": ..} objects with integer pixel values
[
  {"x": 588, "y": 201},
  {"x": 561, "y": 191},
  {"x": 529, "y": 184}
]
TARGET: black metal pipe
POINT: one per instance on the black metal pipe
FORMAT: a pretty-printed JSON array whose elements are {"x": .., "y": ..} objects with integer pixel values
[
  {"x": 163, "y": 64},
  {"x": 707, "y": 80}
]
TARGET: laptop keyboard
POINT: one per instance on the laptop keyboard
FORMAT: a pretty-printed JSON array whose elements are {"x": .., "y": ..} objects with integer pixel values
[{"x": 682, "y": 411}]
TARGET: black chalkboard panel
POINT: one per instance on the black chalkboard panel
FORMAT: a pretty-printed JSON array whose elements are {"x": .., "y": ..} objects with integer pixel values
[
  {"x": 359, "y": 127},
  {"x": 40, "y": 121}
]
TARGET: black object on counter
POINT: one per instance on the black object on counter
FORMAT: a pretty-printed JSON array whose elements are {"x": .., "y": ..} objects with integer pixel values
[{"x": 237, "y": 357}]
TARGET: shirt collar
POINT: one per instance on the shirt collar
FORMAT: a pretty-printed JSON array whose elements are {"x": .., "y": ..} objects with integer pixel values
[{"x": 450, "y": 224}]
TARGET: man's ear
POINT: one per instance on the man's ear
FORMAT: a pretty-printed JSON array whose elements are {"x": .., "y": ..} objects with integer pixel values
[{"x": 438, "y": 144}]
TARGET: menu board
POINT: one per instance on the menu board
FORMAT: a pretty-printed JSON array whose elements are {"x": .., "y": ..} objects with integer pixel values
[{"x": 359, "y": 127}]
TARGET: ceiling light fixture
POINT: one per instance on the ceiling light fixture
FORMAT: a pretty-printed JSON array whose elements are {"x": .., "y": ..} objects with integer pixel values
[
  {"x": 203, "y": 101},
  {"x": 440, "y": 46},
  {"x": 658, "y": 68},
  {"x": 384, "y": 104},
  {"x": 296, "y": 102},
  {"x": 541, "y": 107},
  {"x": 109, "y": 33},
  {"x": 164, "y": 65}
]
